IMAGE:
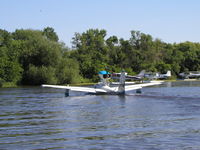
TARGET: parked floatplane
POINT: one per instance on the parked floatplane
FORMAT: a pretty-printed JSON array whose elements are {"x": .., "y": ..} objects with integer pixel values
[
  {"x": 157, "y": 75},
  {"x": 190, "y": 75},
  {"x": 104, "y": 86}
]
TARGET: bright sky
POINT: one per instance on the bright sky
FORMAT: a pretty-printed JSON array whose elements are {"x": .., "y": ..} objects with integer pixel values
[{"x": 169, "y": 20}]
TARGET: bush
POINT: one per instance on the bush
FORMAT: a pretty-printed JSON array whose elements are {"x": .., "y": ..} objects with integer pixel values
[
  {"x": 1, "y": 82},
  {"x": 68, "y": 72},
  {"x": 40, "y": 75}
]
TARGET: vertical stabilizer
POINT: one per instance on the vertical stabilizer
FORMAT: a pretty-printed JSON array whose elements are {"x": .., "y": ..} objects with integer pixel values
[
  {"x": 168, "y": 73},
  {"x": 121, "y": 88},
  {"x": 141, "y": 74}
]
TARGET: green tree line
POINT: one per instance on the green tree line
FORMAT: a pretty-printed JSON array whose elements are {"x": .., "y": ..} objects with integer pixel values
[{"x": 34, "y": 57}]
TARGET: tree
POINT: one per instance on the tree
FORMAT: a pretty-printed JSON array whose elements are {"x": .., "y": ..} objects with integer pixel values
[
  {"x": 68, "y": 71},
  {"x": 5, "y": 38},
  {"x": 36, "y": 57},
  {"x": 50, "y": 34},
  {"x": 37, "y": 75},
  {"x": 10, "y": 69},
  {"x": 91, "y": 51},
  {"x": 37, "y": 52}
]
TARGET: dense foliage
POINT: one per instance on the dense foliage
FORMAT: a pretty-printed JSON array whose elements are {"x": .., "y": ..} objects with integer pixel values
[{"x": 34, "y": 57}]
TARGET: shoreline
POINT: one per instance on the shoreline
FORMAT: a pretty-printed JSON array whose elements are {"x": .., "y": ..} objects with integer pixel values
[{"x": 11, "y": 85}]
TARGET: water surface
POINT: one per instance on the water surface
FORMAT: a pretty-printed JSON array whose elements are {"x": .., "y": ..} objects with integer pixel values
[{"x": 162, "y": 117}]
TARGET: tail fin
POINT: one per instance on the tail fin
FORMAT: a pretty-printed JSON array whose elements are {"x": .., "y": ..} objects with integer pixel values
[
  {"x": 169, "y": 73},
  {"x": 141, "y": 74},
  {"x": 121, "y": 88}
]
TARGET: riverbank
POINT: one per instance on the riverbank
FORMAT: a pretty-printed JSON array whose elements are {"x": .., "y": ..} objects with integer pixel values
[
  {"x": 8, "y": 85},
  {"x": 13, "y": 85}
]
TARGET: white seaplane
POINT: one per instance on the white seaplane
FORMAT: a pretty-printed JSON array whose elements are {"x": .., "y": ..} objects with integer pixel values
[
  {"x": 156, "y": 75},
  {"x": 138, "y": 77},
  {"x": 190, "y": 75},
  {"x": 104, "y": 87}
]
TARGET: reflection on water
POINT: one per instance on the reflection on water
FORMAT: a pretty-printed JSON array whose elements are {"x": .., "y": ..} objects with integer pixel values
[{"x": 162, "y": 117}]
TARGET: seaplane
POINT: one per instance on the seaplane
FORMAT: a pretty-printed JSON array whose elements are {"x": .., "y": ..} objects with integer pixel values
[
  {"x": 190, "y": 75},
  {"x": 116, "y": 76},
  {"x": 154, "y": 76},
  {"x": 103, "y": 87},
  {"x": 138, "y": 77},
  {"x": 164, "y": 76}
]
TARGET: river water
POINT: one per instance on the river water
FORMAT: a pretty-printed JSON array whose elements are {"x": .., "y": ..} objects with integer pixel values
[{"x": 161, "y": 117}]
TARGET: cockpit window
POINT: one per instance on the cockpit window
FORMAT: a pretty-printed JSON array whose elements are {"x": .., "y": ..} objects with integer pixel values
[{"x": 106, "y": 76}]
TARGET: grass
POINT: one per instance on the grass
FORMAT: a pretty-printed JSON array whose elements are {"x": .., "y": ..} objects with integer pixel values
[
  {"x": 82, "y": 84},
  {"x": 8, "y": 85}
]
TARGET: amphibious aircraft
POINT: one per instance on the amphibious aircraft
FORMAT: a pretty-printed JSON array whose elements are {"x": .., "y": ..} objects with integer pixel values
[
  {"x": 164, "y": 76},
  {"x": 156, "y": 75},
  {"x": 140, "y": 76},
  {"x": 104, "y": 87},
  {"x": 190, "y": 75}
]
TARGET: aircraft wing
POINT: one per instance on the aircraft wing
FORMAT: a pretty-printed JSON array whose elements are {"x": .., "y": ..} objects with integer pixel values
[
  {"x": 139, "y": 86},
  {"x": 152, "y": 83},
  {"x": 132, "y": 87},
  {"x": 129, "y": 77},
  {"x": 133, "y": 77},
  {"x": 75, "y": 88}
]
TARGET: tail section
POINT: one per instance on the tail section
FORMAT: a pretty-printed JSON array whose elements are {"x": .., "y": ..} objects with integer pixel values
[
  {"x": 141, "y": 74},
  {"x": 121, "y": 88},
  {"x": 169, "y": 73}
]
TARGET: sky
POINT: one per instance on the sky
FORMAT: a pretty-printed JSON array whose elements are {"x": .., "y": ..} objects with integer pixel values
[{"x": 172, "y": 21}]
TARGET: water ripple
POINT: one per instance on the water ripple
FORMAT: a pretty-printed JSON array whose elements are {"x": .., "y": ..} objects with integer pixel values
[{"x": 162, "y": 117}]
